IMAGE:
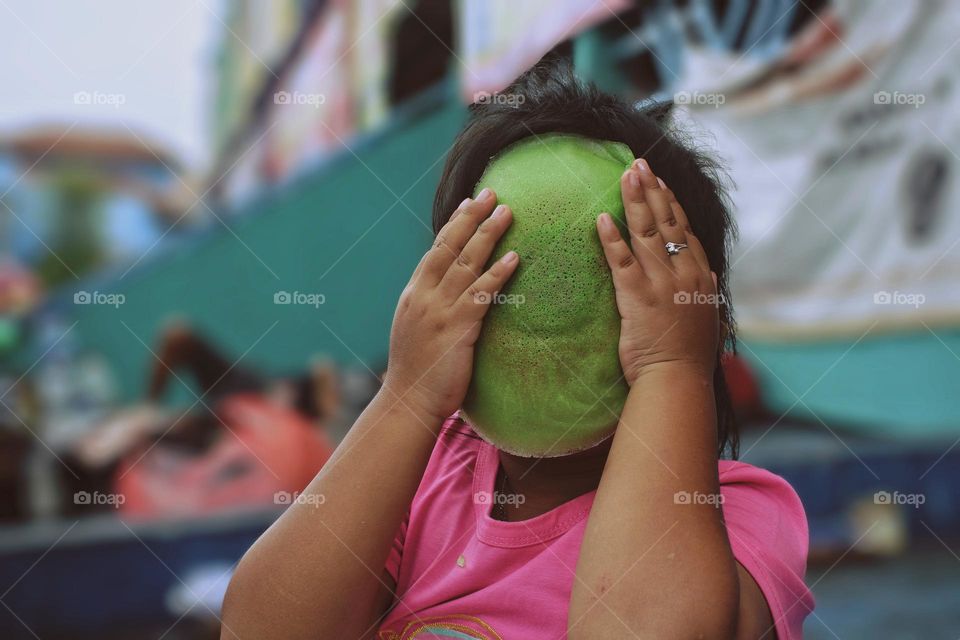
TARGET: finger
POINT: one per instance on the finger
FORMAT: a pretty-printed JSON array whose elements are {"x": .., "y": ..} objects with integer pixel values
[
  {"x": 645, "y": 238},
  {"x": 478, "y": 297},
  {"x": 696, "y": 249},
  {"x": 657, "y": 200},
  {"x": 455, "y": 234},
  {"x": 698, "y": 253},
  {"x": 431, "y": 256},
  {"x": 656, "y": 194},
  {"x": 627, "y": 273},
  {"x": 418, "y": 270},
  {"x": 468, "y": 266}
]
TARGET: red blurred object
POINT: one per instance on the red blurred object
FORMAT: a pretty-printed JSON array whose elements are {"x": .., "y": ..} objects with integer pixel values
[
  {"x": 20, "y": 289},
  {"x": 743, "y": 387},
  {"x": 264, "y": 450}
]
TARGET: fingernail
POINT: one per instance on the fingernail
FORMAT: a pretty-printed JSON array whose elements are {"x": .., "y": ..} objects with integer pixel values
[
  {"x": 663, "y": 185},
  {"x": 465, "y": 202},
  {"x": 509, "y": 257},
  {"x": 499, "y": 211},
  {"x": 642, "y": 165},
  {"x": 606, "y": 222},
  {"x": 635, "y": 179},
  {"x": 483, "y": 195}
]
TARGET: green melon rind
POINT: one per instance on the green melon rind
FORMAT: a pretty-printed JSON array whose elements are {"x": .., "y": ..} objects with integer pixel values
[{"x": 547, "y": 379}]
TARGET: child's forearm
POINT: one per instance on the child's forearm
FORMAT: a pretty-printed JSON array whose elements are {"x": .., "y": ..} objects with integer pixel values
[
  {"x": 318, "y": 571},
  {"x": 655, "y": 560}
]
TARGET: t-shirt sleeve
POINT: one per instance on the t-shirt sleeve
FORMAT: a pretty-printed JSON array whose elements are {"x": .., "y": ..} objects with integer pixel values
[
  {"x": 434, "y": 466},
  {"x": 768, "y": 535},
  {"x": 396, "y": 552}
]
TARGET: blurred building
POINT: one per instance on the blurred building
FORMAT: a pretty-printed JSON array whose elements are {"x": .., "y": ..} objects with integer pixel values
[
  {"x": 80, "y": 200},
  {"x": 256, "y": 37}
]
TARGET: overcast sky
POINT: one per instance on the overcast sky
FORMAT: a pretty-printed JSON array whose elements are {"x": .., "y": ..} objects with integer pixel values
[{"x": 146, "y": 64}]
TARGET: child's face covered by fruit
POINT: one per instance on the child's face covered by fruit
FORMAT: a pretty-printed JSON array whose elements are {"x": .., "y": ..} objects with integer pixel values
[{"x": 547, "y": 379}]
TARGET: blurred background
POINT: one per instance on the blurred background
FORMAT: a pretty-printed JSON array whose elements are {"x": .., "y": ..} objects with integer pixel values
[{"x": 209, "y": 207}]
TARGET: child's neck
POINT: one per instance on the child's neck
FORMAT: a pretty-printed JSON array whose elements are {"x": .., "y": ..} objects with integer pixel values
[{"x": 546, "y": 483}]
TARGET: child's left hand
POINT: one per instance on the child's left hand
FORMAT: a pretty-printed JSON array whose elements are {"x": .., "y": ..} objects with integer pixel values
[{"x": 667, "y": 303}]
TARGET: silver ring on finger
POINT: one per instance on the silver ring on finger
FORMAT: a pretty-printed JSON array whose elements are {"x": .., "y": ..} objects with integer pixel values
[{"x": 673, "y": 248}]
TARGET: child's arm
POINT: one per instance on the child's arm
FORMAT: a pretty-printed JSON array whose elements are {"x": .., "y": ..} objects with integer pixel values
[
  {"x": 656, "y": 561},
  {"x": 318, "y": 571}
]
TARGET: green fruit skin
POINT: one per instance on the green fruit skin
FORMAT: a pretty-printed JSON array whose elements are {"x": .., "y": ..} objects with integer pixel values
[{"x": 547, "y": 379}]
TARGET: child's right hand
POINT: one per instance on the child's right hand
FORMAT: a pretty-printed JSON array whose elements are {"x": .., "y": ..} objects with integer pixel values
[{"x": 441, "y": 310}]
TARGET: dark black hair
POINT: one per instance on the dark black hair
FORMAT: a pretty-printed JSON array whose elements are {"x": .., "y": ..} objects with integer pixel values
[{"x": 550, "y": 98}]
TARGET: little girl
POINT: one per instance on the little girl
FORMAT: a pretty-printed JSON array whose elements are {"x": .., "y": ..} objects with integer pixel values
[{"x": 647, "y": 535}]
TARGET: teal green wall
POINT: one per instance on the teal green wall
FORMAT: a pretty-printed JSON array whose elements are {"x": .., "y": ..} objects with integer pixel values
[
  {"x": 904, "y": 384},
  {"x": 225, "y": 282}
]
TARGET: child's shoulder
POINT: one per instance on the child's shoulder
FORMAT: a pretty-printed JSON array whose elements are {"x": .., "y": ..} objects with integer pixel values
[
  {"x": 764, "y": 505},
  {"x": 750, "y": 485},
  {"x": 768, "y": 534},
  {"x": 735, "y": 475}
]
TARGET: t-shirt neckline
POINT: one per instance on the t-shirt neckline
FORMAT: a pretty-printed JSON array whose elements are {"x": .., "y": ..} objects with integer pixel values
[{"x": 524, "y": 533}]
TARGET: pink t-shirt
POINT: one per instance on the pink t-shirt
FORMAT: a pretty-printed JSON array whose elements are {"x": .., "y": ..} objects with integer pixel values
[{"x": 461, "y": 574}]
